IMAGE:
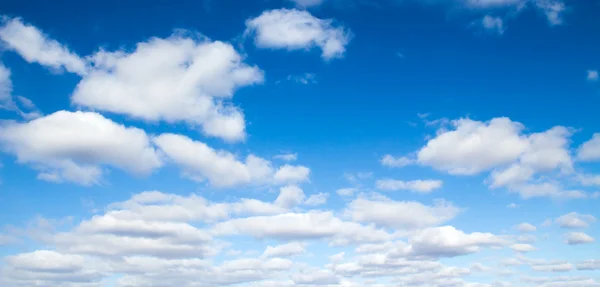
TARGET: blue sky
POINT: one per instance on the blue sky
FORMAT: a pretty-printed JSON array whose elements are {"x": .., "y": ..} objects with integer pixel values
[{"x": 300, "y": 143}]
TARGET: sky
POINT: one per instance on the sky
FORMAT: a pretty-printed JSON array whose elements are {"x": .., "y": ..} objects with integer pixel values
[{"x": 279, "y": 143}]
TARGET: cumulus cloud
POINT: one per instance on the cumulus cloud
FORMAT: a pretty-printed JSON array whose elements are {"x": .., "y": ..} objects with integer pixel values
[
  {"x": 522, "y": 247},
  {"x": 592, "y": 75},
  {"x": 553, "y": 9},
  {"x": 575, "y": 238},
  {"x": 315, "y": 278},
  {"x": 590, "y": 150},
  {"x": 421, "y": 186},
  {"x": 35, "y": 47},
  {"x": 400, "y": 214},
  {"x": 317, "y": 199},
  {"x": 287, "y": 156},
  {"x": 285, "y": 250},
  {"x": 589, "y": 265},
  {"x": 177, "y": 79},
  {"x": 298, "y": 30},
  {"x": 6, "y": 101},
  {"x": 349, "y": 191},
  {"x": 74, "y": 146},
  {"x": 221, "y": 168},
  {"x": 447, "y": 241},
  {"x": 575, "y": 220},
  {"x": 290, "y": 196}
]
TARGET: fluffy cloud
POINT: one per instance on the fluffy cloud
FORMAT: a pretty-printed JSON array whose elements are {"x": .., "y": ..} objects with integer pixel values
[
  {"x": 421, "y": 186},
  {"x": 49, "y": 268},
  {"x": 575, "y": 220},
  {"x": 35, "y": 47},
  {"x": 292, "y": 174},
  {"x": 297, "y": 30},
  {"x": 349, "y": 191},
  {"x": 290, "y": 196},
  {"x": 553, "y": 9},
  {"x": 73, "y": 146},
  {"x": 473, "y": 146},
  {"x": 391, "y": 161},
  {"x": 177, "y": 79},
  {"x": 447, "y": 241},
  {"x": 589, "y": 265},
  {"x": 400, "y": 214},
  {"x": 590, "y": 150},
  {"x": 221, "y": 168},
  {"x": 317, "y": 199},
  {"x": 525, "y": 227},
  {"x": 574, "y": 238},
  {"x": 299, "y": 226},
  {"x": 315, "y": 278}
]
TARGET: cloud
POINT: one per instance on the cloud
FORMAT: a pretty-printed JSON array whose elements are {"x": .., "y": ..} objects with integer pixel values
[
  {"x": 493, "y": 24},
  {"x": 6, "y": 101},
  {"x": 421, "y": 186},
  {"x": 447, "y": 241},
  {"x": 575, "y": 220},
  {"x": 315, "y": 278},
  {"x": 290, "y": 196},
  {"x": 575, "y": 238},
  {"x": 346, "y": 191},
  {"x": 73, "y": 146},
  {"x": 200, "y": 162},
  {"x": 525, "y": 227},
  {"x": 589, "y": 265},
  {"x": 284, "y": 250},
  {"x": 391, "y": 161},
  {"x": 302, "y": 226},
  {"x": 293, "y": 29},
  {"x": 177, "y": 79},
  {"x": 553, "y": 9},
  {"x": 292, "y": 174},
  {"x": 287, "y": 157},
  {"x": 317, "y": 199},
  {"x": 400, "y": 214},
  {"x": 35, "y": 47},
  {"x": 305, "y": 79},
  {"x": 592, "y": 75},
  {"x": 590, "y": 150},
  {"x": 307, "y": 3},
  {"x": 473, "y": 146},
  {"x": 522, "y": 247}
]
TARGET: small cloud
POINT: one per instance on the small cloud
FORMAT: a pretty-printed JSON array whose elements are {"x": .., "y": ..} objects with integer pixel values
[
  {"x": 346, "y": 191},
  {"x": 493, "y": 24},
  {"x": 287, "y": 157},
  {"x": 592, "y": 75},
  {"x": 305, "y": 79},
  {"x": 512, "y": 205}
]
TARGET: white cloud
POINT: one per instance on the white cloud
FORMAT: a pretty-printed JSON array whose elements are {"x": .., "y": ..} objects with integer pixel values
[
  {"x": 177, "y": 79},
  {"x": 315, "y": 278},
  {"x": 512, "y": 205},
  {"x": 493, "y": 24},
  {"x": 305, "y": 79},
  {"x": 317, "y": 199},
  {"x": 421, "y": 186},
  {"x": 284, "y": 250},
  {"x": 447, "y": 241},
  {"x": 290, "y": 196},
  {"x": 6, "y": 100},
  {"x": 292, "y": 174},
  {"x": 553, "y": 9},
  {"x": 400, "y": 214},
  {"x": 473, "y": 146},
  {"x": 483, "y": 4},
  {"x": 73, "y": 146},
  {"x": 574, "y": 238},
  {"x": 589, "y": 265},
  {"x": 287, "y": 157},
  {"x": 220, "y": 168},
  {"x": 349, "y": 191},
  {"x": 575, "y": 220},
  {"x": 592, "y": 75},
  {"x": 590, "y": 150},
  {"x": 299, "y": 226},
  {"x": 522, "y": 247},
  {"x": 35, "y": 47},
  {"x": 298, "y": 30},
  {"x": 391, "y": 161},
  {"x": 525, "y": 227},
  {"x": 547, "y": 189}
]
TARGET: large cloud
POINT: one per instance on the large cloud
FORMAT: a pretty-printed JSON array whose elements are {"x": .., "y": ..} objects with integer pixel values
[
  {"x": 297, "y": 30},
  {"x": 177, "y": 79},
  {"x": 74, "y": 146}
]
